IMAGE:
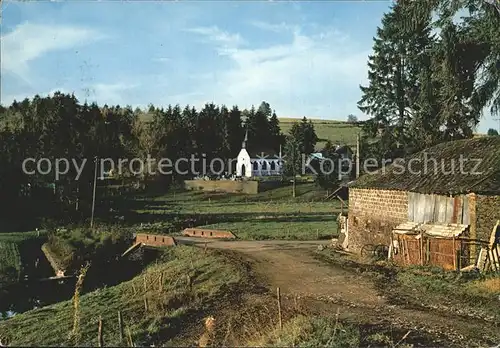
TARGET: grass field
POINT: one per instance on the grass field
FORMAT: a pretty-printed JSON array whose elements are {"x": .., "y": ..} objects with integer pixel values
[
  {"x": 333, "y": 130},
  {"x": 271, "y": 214},
  {"x": 10, "y": 256},
  {"x": 173, "y": 304}
]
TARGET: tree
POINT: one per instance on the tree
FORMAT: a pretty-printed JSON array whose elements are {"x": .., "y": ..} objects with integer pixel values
[
  {"x": 235, "y": 131},
  {"x": 258, "y": 126},
  {"x": 460, "y": 75},
  {"x": 352, "y": 118},
  {"x": 293, "y": 160},
  {"x": 305, "y": 134},
  {"x": 328, "y": 171},
  {"x": 276, "y": 138},
  {"x": 492, "y": 132},
  {"x": 393, "y": 79}
]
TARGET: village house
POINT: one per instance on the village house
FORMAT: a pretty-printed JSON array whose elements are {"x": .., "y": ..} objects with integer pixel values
[{"x": 429, "y": 187}]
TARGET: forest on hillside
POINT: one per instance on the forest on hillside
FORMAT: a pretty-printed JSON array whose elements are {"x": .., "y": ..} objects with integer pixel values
[{"x": 431, "y": 76}]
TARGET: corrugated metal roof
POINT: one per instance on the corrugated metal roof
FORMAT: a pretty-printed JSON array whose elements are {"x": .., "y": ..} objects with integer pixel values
[
  {"x": 445, "y": 231},
  {"x": 407, "y": 228},
  {"x": 436, "y": 230}
]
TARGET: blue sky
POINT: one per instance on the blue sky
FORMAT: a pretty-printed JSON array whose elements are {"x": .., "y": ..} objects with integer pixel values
[{"x": 304, "y": 58}]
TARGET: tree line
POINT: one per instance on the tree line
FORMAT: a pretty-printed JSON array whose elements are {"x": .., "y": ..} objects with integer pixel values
[
  {"x": 59, "y": 126},
  {"x": 430, "y": 75}
]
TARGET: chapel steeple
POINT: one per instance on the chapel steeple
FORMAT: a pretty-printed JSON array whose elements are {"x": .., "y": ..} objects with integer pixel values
[{"x": 244, "y": 144}]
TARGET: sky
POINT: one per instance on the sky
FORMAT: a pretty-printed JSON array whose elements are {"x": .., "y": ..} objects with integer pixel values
[{"x": 304, "y": 58}]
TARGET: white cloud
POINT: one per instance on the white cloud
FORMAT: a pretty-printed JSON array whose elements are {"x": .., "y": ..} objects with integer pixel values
[
  {"x": 28, "y": 42},
  {"x": 216, "y": 35},
  {"x": 277, "y": 28},
  {"x": 162, "y": 59},
  {"x": 298, "y": 78},
  {"x": 110, "y": 93}
]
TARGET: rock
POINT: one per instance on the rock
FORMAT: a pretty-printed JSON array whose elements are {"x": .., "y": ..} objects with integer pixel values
[{"x": 321, "y": 247}]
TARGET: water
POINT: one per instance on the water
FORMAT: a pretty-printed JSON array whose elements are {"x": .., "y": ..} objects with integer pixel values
[{"x": 35, "y": 290}]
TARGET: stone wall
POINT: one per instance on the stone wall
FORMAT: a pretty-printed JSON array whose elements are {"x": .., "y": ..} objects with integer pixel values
[
  {"x": 373, "y": 214},
  {"x": 487, "y": 214},
  {"x": 244, "y": 186}
]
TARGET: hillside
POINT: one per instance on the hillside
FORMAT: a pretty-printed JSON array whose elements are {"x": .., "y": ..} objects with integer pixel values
[{"x": 333, "y": 130}]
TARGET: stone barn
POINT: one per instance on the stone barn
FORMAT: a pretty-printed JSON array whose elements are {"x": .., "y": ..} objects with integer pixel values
[{"x": 456, "y": 182}]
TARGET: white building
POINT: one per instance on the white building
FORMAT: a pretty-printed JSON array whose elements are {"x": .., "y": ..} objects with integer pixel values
[{"x": 257, "y": 166}]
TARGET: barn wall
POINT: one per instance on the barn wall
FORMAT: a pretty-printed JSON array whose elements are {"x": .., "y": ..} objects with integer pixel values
[
  {"x": 488, "y": 213},
  {"x": 426, "y": 208},
  {"x": 373, "y": 214}
]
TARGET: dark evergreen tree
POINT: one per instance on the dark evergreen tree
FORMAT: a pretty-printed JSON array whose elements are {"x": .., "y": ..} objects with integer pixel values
[
  {"x": 393, "y": 80},
  {"x": 327, "y": 169},
  {"x": 492, "y": 132},
  {"x": 235, "y": 132},
  {"x": 276, "y": 137},
  {"x": 305, "y": 134}
]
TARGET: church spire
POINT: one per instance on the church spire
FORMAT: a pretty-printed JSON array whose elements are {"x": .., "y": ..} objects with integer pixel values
[{"x": 244, "y": 144}]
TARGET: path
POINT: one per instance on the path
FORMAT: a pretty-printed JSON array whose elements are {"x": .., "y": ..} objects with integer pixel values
[{"x": 292, "y": 266}]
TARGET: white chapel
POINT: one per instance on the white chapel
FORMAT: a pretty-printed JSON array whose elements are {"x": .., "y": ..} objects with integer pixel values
[{"x": 257, "y": 166}]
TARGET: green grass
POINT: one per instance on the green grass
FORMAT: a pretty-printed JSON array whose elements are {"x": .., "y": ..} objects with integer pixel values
[
  {"x": 271, "y": 214},
  {"x": 10, "y": 256},
  {"x": 333, "y": 130},
  {"x": 72, "y": 246},
  {"x": 303, "y": 331},
  {"x": 172, "y": 310},
  {"x": 10, "y": 263},
  {"x": 424, "y": 287}
]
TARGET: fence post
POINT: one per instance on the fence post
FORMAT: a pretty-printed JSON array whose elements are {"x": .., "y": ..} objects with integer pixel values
[
  {"x": 120, "y": 326},
  {"x": 130, "y": 337},
  {"x": 100, "y": 342},
  {"x": 160, "y": 289},
  {"x": 279, "y": 309}
]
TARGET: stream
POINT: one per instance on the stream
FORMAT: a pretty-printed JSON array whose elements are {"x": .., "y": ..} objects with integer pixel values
[{"x": 35, "y": 289}]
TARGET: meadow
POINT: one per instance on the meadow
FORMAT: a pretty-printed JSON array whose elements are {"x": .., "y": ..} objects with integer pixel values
[
  {"x": 270, "y": 214},
  {"x": 11, "y": 246},
  {"x": 336, "y": 131}
]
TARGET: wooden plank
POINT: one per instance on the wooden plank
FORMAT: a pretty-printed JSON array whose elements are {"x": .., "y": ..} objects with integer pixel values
[
  {"x": 429, "y": 208},
  {"x": 132, "y": 248},
  {"x": 441, "y": 208},
  {"x": 449, "y": 210},
  {"x": 465, "y": 211},
  {"x": 481, "y": 261},
  {"x": 411, "y": 206},
  {"x": 420, "y": 209},
  {"x": 435, "y": 213},
  {"x": 468, "y": 268},
  {"x": 460, "y": 209},
  {"x": 494, "y": 233},
  {"x": 493, "y": 260}
]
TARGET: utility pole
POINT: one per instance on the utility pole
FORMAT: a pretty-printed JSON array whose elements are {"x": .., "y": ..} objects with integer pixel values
[
  {"x": 93, "y": 194},
  {"x": 294, "y": 172},
  {"x": 357, "y": 156}
]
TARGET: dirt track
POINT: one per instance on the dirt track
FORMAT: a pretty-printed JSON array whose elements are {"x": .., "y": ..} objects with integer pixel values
[{"x": 326, "y": 288}]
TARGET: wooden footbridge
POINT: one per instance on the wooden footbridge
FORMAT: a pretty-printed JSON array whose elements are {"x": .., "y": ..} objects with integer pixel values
[{"x": 156, "y": 240}]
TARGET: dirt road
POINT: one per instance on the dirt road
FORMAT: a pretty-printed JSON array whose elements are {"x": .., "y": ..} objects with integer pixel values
[{"x": 326, "y": 288}]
